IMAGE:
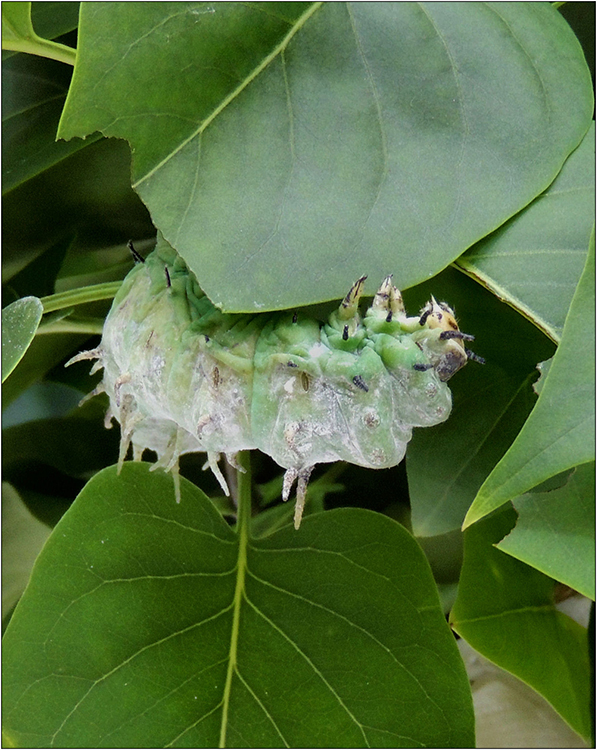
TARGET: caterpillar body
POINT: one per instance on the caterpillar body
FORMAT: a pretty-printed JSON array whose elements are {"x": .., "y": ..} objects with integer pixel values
[{"x": 182, "y": 376}]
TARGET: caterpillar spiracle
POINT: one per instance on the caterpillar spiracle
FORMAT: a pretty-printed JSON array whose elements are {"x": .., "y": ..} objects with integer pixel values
[{"x": 184, "y": 377}]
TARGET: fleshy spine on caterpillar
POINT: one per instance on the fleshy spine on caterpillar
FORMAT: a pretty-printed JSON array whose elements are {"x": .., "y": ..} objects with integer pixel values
[{"x": 184, "y": 377}]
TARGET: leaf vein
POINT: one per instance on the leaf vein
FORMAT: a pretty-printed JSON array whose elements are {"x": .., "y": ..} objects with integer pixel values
[
  {"x": 233, "y": 95},
  {"x": 261, "y": 706},
  {"x": 129, "y": 659},
  {"x": 315, "y": 669}
]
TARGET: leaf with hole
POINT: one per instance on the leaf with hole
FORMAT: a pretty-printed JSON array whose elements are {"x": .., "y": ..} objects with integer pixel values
[
  {"x": 284, "y": 149},
  {"x": 555, "y": 531},
  {"x": 560, "y": 432}
]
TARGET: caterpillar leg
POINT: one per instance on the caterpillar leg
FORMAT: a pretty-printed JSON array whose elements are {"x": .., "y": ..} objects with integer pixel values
[
  {"x": 95, "y": 392},
  {"x": 129, "y": 418},
  {"x": 89, "y": 354},
  {"x": 302, "y": 477},
  {"x": 212, "y": 463},
  {"x": 232, "y": 459}
]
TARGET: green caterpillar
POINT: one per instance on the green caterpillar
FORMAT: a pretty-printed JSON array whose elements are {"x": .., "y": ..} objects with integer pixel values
[{"x": 184, "y": 377}]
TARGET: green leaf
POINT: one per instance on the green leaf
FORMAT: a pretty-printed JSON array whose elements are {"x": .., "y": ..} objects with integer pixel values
[
  {"x": 535, "y": 260},
  {"x": 148, "y": 623},
  {"x": 505, "y": 610},
  {"x": 18, "y": 35},
  {"x": 23, "y": 536},
  {"x": 285, "y": 149},
  {"x": 555, "y": 532},
  {"x": 447, "y": 464},
  {"x": 560, "y": 432},
  {"x": 19, "y": 324}
]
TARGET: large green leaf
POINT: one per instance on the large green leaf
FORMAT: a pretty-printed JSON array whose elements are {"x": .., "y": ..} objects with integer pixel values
[
  {"x": 285, "y": 149},
  {"x": 447, "y": 464},
  {"x": 556, "y": 531},
  {"x": 535, "y": 260},
  {"x": 505, "y": 610},
  {"x": 19, "y": 324},
  {"x": 560, "y": 433},
  {"x": 148, "y": 623}
]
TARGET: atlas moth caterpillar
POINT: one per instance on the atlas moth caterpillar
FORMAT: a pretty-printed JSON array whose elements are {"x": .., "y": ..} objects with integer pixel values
[{"x": 184, "y": 377}]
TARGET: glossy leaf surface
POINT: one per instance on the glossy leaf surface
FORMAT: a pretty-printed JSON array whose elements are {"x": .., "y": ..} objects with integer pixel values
[
  {"x": 555, "y": 531},
  {"x": 336, "y": 139},
  {"x": 202, "y": 637},
  {"x": 560, "y": 433},
  {"x": 535, "y": 260},
  {"x": 505, "y": 610}
]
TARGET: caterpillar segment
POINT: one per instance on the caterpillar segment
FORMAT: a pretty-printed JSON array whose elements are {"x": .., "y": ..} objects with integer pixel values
[{"x": 184, "y": 377}]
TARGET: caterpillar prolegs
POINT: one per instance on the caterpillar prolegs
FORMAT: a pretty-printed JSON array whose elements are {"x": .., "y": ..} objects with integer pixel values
[{"x": 184, "y": 377}]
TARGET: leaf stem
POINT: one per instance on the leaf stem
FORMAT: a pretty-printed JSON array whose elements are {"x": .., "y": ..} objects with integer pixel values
[
  {"x": 72, "y": 325},
  {"x": 42, "y": 48},
  {"x": 243, "y": 526},
  {"x": 80, "y": 296}
]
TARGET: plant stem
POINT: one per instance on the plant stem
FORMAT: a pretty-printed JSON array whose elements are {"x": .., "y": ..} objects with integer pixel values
[
  {"x": 80, "y": 296},
  {"x": 243, "y": 531},
  {"x": 42, "y": 48},
  {"x": 72, "y": 325}
]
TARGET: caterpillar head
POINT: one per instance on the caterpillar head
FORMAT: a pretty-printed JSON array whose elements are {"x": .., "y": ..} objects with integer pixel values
[{"x": 441, "y": 339}]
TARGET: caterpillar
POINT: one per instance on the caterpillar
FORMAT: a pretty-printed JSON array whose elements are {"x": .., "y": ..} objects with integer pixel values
[{"x": 182, "y": 376}]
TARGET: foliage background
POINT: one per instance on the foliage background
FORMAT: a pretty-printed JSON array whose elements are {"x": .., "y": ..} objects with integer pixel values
[{"x": 480, "y": 230}]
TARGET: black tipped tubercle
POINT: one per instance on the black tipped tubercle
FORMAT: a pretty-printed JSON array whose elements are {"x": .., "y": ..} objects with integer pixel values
[
  {"x": 136, "y": 256},
  {"x": 360, "y": 383}
]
